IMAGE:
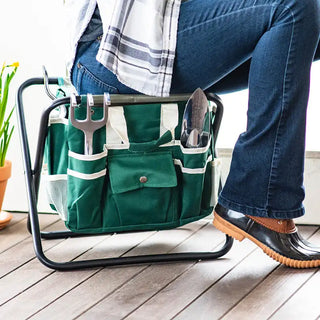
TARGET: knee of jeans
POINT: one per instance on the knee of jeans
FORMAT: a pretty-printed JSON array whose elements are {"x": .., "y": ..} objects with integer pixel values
[{"x": 306, "y": 11}]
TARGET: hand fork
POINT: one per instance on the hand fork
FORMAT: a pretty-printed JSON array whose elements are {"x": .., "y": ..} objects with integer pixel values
[{"x": 89, "y": 126}]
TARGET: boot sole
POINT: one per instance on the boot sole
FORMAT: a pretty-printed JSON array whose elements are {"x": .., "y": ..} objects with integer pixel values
[{"x": 238, "y": 234}]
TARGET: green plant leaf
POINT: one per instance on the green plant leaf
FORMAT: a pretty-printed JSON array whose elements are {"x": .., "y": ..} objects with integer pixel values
[
  {"x": 6, "y": 145},
  {"x": 4, "y": 101},
  {"x": 5, "y": 130}
]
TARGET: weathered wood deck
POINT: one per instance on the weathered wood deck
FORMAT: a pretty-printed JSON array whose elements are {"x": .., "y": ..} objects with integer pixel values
[{"x": 245, "y": 284}]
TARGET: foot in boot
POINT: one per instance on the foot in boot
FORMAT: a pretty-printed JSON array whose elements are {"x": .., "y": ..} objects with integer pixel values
[{"x": 279, "y": 239}]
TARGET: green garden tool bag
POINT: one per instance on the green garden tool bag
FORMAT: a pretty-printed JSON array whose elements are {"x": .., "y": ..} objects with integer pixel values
[{"x": 139, "y": 177}]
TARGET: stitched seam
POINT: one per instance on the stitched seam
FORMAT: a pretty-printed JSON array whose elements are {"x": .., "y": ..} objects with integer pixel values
[
  {"x": 281, "y": 114},
  {"x": 228, "y": 14}
]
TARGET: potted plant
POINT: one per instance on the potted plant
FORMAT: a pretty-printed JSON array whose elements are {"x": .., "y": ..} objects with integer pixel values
[{"x": 6, "y": 75}]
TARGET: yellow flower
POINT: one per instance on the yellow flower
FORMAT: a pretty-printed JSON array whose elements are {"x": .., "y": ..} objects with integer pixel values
[{"x": 15, "y": 64}]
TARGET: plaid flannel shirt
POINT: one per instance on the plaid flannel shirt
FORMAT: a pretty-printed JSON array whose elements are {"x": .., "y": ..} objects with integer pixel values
[{"x": 139, "y": 41}]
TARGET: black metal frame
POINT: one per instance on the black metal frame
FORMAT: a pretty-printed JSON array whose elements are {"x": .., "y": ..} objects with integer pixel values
[{"x": 32, "y": 176}]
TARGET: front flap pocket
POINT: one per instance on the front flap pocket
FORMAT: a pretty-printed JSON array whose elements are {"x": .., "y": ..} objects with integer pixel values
[{"x": 135, "y": 171}]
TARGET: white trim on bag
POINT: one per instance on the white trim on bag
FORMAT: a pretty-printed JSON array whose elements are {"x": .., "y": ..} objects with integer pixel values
[
  {"x": 210, "y": 106},
  {"x": 195, "y": 150},
  {"x": 55, "y": 177},
  {"x": 88, "y": 157},
  {"x": 172, "y": 143},
  {"x": 87, "y": 176},
  {"x": 187, "y": 150},
  {"x": 116, "y": 127},
  {"x": 169, "y": 118},
  {"x": 120, "y": 146},
  {"x": 192, "y": 170},
  {"x": 58, "y": 120}
]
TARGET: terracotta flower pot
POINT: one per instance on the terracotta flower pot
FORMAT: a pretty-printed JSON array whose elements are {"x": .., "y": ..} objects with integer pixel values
[{"x": 5, "y": 174}]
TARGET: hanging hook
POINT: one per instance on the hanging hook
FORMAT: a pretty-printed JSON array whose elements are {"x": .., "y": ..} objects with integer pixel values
[
  {"x": 62, "y": 109},
  {"x": 46, "y": 83}
]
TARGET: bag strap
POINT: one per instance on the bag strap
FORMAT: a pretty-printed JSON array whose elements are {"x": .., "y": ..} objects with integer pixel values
[
  {"x": 116, "y": 128},
  {"x": 169, "y": 118}
]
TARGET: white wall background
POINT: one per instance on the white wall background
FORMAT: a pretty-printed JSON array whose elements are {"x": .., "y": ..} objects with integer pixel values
[{"x": 32, "y": 32}]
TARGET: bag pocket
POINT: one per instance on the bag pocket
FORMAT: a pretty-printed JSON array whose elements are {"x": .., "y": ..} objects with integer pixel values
[
  {"x": 216, "y": 181},
  {"x": 55, "y": 165},
  {"x": 56, "y": 147},
  {"x": 195, "y": 180},
  {"x": 56, "y": 190},
  {"x": 86, "y": 185},
  {"x": 143, "y": 191}
]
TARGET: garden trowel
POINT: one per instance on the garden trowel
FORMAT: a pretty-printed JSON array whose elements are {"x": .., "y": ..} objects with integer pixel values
[{"x": 193, "y": 134}]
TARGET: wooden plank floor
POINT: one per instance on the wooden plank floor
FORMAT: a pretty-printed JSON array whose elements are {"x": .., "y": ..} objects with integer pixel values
[{"x": 244, "y": 284}]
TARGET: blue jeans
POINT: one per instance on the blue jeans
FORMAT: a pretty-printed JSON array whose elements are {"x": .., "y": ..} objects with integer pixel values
[{"x": 272, "y": 43}]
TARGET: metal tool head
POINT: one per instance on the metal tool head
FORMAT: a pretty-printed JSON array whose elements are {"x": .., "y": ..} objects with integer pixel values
[
  {"x": 194, "y": 120},
  {"x": 88, "y": 125}
]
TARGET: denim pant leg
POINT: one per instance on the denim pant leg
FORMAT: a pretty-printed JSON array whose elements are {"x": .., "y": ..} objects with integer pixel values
[
  {"x": 280, "y": 37},
  {"x": 238, "y": 79},
  {"x": 273, "y": 145}
]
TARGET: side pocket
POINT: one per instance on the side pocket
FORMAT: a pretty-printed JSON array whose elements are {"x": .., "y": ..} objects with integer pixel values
[
  {"x": 195, "y": 184},
  {"x": 56, "y": 148},
  {"x": 143, "y": 190},
  {"x": 55, "y": 166},
  {"x": 86, "y": 184},
  {"x": 56, "y": 188},
  {"x": 216, "y": 181}
]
